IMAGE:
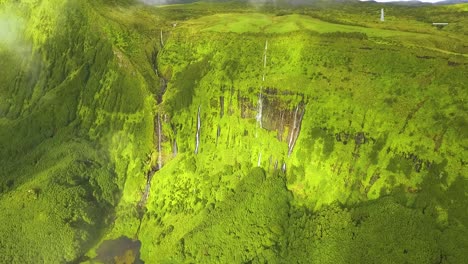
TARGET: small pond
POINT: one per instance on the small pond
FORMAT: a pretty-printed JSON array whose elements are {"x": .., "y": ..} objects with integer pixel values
[{"x": 119, "y": 251}]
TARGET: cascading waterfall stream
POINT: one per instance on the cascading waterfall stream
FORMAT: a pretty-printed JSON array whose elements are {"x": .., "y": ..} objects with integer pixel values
[
  {"x": 158, "y": 130},
  {"x": 159, "y": 143},
  {"x": 197, "y": 137},
  {"x": 259, "y": 109},
  {"x": 260, "y": 96},
  {"x": 296, "y": 129},
  {"x": 162, "y": 40},
  {"x": 291, "y": 136}
]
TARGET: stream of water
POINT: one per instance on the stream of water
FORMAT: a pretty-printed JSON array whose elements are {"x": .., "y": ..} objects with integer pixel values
[{"x": 159, "y": 136}]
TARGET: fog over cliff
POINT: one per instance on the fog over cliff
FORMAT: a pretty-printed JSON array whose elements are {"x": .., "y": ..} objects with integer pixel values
[{"x": 11, "y": 31}]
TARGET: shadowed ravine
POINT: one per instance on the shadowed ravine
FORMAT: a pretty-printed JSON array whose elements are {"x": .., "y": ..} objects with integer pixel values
[{"x": 158, "y": 138}]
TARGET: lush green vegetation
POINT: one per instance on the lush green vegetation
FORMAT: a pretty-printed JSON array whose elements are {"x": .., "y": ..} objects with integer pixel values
[{"x": 360, "y": 155}]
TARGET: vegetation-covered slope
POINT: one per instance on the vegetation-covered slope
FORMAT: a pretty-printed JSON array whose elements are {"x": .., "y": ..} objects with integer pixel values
[
  {"x": 226, "y": 133},
  {"x": 75, "y": 121}
]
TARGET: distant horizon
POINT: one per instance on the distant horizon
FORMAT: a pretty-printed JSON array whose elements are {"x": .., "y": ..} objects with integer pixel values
[{"x": 423, "y": 1}]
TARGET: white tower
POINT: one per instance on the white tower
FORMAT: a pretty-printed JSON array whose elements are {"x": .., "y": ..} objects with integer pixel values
[{"x": 382, "y": 15}]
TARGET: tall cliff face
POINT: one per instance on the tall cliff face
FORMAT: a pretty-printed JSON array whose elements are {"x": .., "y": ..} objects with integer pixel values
[
  {"x": 364, "y": 121},
  {"x": 75, "y": 122},
  {"x": 149, "y": 121},
  {"x": 344, "y": 117}
]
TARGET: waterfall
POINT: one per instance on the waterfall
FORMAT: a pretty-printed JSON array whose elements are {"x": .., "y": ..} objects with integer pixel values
[
  {"x": 157, "y": 129},
  {"x": 281, "y": 127},
  {"x": 162, "y": 41},
  {"x": 296, "y": 128},
  {"x": 260, "y": 109},
  {"x": 260, "y": 97},
  {"x": 259, "y": 159},
  {"x": 159, "y": 143},
  {"x": 291, "y": 135},
  {"x": 197, "y": 138}
]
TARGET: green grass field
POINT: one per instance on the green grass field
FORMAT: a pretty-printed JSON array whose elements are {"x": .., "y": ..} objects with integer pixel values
[{"x": 271, "y": 24}]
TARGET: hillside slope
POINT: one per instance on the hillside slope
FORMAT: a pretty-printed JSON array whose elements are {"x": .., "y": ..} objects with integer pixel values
[{"x": 207, "y": 133}]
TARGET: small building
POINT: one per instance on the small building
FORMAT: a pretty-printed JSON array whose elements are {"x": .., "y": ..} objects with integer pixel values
[{"x": 440, "y": 24}]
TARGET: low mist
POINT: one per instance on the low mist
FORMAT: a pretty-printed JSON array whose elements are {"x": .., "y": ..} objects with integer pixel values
[{"x": 12, "y": 30}]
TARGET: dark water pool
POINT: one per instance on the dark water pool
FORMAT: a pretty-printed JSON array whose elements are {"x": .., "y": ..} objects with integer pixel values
[{"x": 119, "y": 251}]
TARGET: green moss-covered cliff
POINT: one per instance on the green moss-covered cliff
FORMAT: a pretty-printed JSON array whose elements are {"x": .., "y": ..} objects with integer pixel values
[{"x": 231, "y": 133}]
